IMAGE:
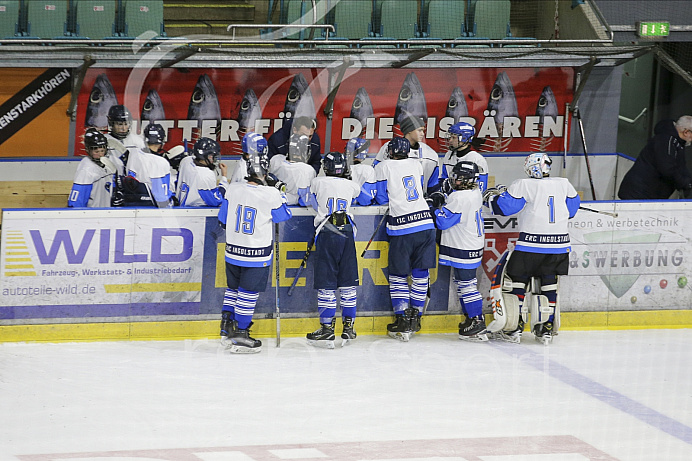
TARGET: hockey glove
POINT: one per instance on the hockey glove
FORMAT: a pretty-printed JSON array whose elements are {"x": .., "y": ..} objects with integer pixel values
[
  {"x": 275, "y": 182},
  {"x": 438, "y": 199},
  {"x": 118, "y": 199},
  {"x": 447, "y": 186}
]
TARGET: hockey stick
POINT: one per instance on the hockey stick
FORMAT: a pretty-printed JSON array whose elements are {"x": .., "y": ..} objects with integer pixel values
[
  {"x": 586, "y": 154},
  {"x": 276, "y": 270},
  {"x": 302, "y": 265},
  {"x": 607, "y": 213},
  {"x": 384, "y": 216}
]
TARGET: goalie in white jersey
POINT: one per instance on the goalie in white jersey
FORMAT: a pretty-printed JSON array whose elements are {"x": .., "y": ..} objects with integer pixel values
[
  {"x": 461, "y": 245},
  {"x": 197, "y": 176},
  {"x": 336, "y": 264},
  {"x": 544, "y": 205},
  {"x": 294, "y": 171},
  {"x": 248, "y": 213},
  {"x": 411, "y": 236},
  {"x": 95, "y": 179}
]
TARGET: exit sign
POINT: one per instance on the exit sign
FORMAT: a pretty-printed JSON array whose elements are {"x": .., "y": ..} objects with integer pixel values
[{"x": 653, "y": 29}]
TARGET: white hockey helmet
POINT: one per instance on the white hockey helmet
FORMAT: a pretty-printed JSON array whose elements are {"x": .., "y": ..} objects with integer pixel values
[{"x": 537, "y": 165}]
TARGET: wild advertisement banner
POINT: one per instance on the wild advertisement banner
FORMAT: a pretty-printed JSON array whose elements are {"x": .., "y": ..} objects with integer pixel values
[
  {"x": 514, "y": 110},
  {"x": 121, "y": 263}
]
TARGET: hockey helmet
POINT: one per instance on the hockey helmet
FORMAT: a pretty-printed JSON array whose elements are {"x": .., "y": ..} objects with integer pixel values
[
  {"x": 206, "y": 151},
  {"x": 119, "y": 113},
  {"x": 335, "y": 164},
  {"x": 154, "y": 134},
  {"x": 399, "y": 148},
  {"x": 254, "y": 143},
  {"x": 357, "y": 148},
  {"x": 299, "y": 148},
  {"x": 94, "y": 139},
  {"x": 537, "y": 165},
  {"x": 465, "y": 175},
  {"x": 257, "y": 166},
  {"x": 463, "y": 131}
]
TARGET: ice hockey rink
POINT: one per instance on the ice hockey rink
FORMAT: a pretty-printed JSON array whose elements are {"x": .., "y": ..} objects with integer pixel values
[{"x": 591, "y": 395}]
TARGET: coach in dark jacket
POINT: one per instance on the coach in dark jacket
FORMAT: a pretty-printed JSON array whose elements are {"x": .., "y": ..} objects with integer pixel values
[
  {"x": 278, "y": 142},
  {"x": 661, "y": 168}
]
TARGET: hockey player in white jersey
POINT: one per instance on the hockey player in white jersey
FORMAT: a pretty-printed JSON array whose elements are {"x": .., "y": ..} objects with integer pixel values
[
  {"x": 413, "y": 129},
  {"x": 248, "y": 213},
  {"x": 148, "y": 180},
  {"x": 119, "y": 127},
  {"x": 336, "y": 264},
  {"x": 95, "y": 179},
  {"x": 544, "y": 205},
  {"x": 460, "y": 137},
  {"x": 411, "y": 236},
  {"x": 252, "y": 144},
  {"x": 461, "y": 246},
  {"x": 294, "y": 171},
  {"x": 356, "y": 152},
  {"x": 197, "y": 178},
  {"x": 154, "y": 137}
]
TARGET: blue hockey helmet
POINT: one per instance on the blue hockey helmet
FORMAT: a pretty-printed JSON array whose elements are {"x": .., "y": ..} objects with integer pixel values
[
  {"x": 254, "y": 143},
  {"x": 399, "y": 148},
  {"x": 464, "y": 132},
  {"x": 357, "y": 148},
  {"x": 335, "y": 164}
]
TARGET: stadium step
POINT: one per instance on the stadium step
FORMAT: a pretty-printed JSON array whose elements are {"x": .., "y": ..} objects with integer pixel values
[{"x": 191, "y": 17}]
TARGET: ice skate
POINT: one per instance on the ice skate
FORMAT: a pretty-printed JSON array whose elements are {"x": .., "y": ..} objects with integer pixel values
[
  {"x": 226, "y": 324},
  {"x": 474, "y": 330},
  {"x": 543, "y": 333},
  {"x": 400, "y": 329},
  {"x": 323, "y": 336},
  {"x": 413, "y": 318},
  {"x": 513, "y": 336},
  {"x": 348, "y": 334},
  {"x": 240, "y": 342}
]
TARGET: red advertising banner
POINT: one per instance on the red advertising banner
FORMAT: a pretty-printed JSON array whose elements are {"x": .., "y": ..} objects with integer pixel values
[{"x": 515, "y": 110}]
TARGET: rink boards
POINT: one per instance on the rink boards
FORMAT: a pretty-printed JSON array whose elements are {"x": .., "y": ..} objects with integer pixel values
[{"x": 148, "y": 273}]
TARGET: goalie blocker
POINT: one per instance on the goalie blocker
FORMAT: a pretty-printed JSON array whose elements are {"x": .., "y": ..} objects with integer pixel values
[{"x": 505, "y": 306}]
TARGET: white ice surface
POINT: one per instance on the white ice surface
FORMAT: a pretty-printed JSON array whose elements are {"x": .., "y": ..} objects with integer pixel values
[{"x": 627, "y": 394}]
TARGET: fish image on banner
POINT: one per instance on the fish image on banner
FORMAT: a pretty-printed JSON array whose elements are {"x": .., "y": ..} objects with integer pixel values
[
  {"x": 456, "y": 108},
  {"x": 545, "y": 107},
  {"x": 411, "y": 101},
  {"x": 152, "y": 109},
  {"x": 361, "y": 109},
  {"x": 501, "y": 103},
  {"x": 101, "y": 98},
  {"x": 299, "y": 101},
  {"x": 204, "y": 105},
  {"x": 249, "y": 111}
]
